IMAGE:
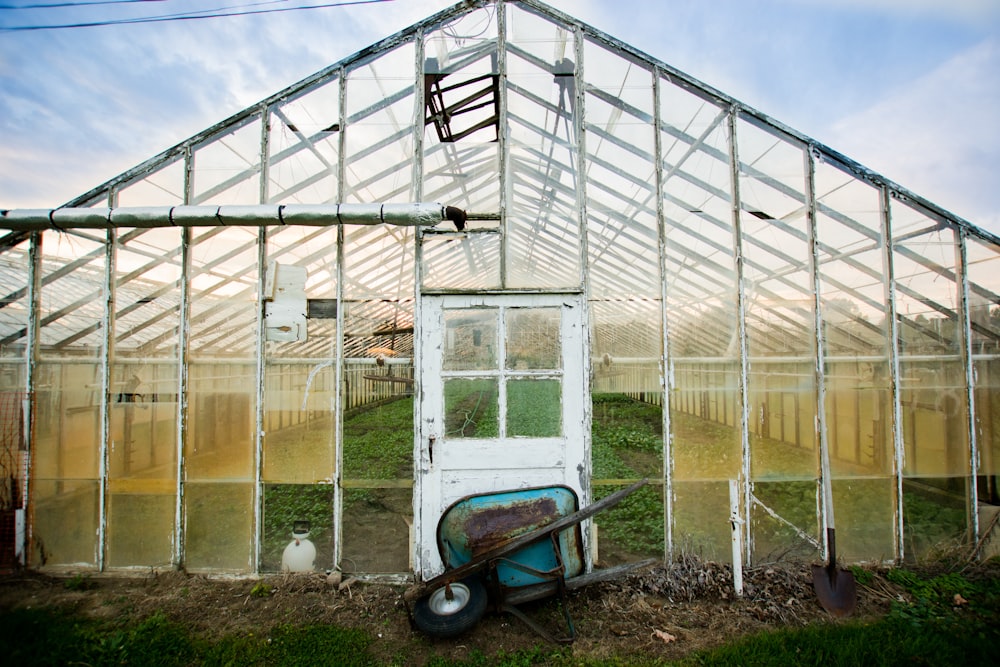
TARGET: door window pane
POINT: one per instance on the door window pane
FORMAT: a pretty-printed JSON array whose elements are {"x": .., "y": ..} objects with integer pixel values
[
  {"x": 470, "y": 340},
  {"x": 470, "y": 408},
  {"x": 534, "y": 407},
  {"x": 533, "y": 338}
]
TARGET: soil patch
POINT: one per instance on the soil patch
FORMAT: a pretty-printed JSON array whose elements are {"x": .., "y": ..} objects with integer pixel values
[{"x": 663, "y": 612}]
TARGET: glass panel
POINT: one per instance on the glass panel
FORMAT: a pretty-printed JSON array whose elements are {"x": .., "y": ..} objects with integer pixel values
[
  {"x": 932, "y": 384},
  {"x": 780, "y": 338},
  {"x": 378, "y": 441},
  {"x": 141, "y": 525},
  {"x": 377, "y": 530},
  {"x": 858, "y": 384},
  {"x": 163, "y": 187},
  {"x": 702, "y": 319},
  {"x": 219, "y": 526},
  {"x": 461, "y": 116},
  {"x": 378, "y": 352},
  {"x": 299, "y": 375},
  {"x": 15, "y": 402},
  {"x": 14, "y": 309},
  {"x": 227, "y": 168},
  {"x": 304, "y": 144},
  {"x": 64, "y": 522},
  {"x": 470, "y": 408},
  {"x": 627, "y": 426},
  {"x": 378, "y": 463},
  {"x": 221, "y": 444},
  {"x": 622, "y": 234},
  {"x": 534, "y": 408},
  {"x": 543, "y": 240},
  {"x": 983, "y": 261},
  {"x": 633, "y": 529},
  {"x": 698, "y": 528},
  {"x": 67, "y": 443},
  {"x": 783, "y": 519},
  {"x": 470, "y": 341},
  {"x": 379, "y": 137},
  {"x": 142, "y": 452},
  {"x": 378, "y": 262},
  {"x": 469, "y": 262},
  {"x": 533, "y": 340},
  {"x": 298, "y": 528},
  {"x": 865, "y": 518}
]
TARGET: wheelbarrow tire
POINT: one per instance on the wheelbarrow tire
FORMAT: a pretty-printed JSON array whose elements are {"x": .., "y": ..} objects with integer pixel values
[{"x": 438, "y": 616}]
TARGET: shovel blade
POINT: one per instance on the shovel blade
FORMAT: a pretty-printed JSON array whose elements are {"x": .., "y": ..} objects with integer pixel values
[{"x": 836, "y": 589}]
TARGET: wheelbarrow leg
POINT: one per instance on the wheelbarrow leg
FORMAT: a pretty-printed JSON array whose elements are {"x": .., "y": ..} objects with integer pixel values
[{"x": 560, "y": 583}]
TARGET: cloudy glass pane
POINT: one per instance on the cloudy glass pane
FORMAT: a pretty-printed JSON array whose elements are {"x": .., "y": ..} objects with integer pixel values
[
  {"x": 226, "y": 168},
  {"x": 142, "y": 450},
  {"x": 622, "y": 228},
  {"x": 461, "y": 113},
  {"x": 303, "y": 144},
  {"x": 543, "y": 240},
  {"x": 299, "y": 373},
  {"x": 162, "y": 187},
  {"x": 983, "y": 261},
  {"x": 378, "y": 162}
]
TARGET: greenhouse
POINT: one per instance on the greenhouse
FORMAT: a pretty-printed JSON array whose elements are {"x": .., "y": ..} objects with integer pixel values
[{"x": 500, "y": 249}]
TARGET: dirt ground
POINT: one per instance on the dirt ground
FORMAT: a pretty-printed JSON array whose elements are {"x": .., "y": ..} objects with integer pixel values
[{"x": 658, "y": 613}]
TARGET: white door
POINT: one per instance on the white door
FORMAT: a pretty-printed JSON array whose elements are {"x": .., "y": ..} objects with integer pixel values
[{"x": 503, "y": 390}]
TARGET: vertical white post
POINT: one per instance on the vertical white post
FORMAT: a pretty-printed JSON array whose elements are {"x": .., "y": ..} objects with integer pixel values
[{"x": 737, "y": 527}]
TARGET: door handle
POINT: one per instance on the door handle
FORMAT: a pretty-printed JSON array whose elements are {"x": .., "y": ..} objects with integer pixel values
[{"x": 430, "y": 448}]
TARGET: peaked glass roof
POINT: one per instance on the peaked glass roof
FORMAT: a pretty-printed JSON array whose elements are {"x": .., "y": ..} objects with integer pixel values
[{"x": 501, "y": 136}]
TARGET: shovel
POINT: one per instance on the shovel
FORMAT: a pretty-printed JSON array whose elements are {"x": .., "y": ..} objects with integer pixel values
[{"x": 834, "y": 586}]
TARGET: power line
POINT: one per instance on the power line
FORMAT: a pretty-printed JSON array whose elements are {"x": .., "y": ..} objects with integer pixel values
[
  {"x": 76, "y": 4},
  {"x": 188, "y": 16}
]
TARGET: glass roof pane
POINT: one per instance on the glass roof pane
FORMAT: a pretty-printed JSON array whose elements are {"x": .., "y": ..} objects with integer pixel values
[
  {"x": 227, "y": 168},
  {"x": 776, "y": 246},
  {"x": 461, "y": 115},
  {"x": 304, "y": 146},
  {"x": 162, "y": 187},
  {"x": 543, "y": 241},
  {"x": 926, "y": 291},
  {"x": 850, "y": 247},
  {"x": 378, "y": 162},
  {"x": 983, "y": 262}
]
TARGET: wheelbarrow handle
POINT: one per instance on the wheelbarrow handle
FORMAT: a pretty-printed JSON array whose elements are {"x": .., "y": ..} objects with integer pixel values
[{"x": 475, "y": 564}]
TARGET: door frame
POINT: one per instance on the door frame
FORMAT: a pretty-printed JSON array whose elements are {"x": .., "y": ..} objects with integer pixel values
[{"x": 565, "y": 458}]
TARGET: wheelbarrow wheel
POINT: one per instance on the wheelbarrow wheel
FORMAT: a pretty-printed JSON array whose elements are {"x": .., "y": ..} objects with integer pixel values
[{"x": 451, "y": 610}]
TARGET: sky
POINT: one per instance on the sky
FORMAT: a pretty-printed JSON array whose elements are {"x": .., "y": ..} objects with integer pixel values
[{"x": 908, "y": 88}]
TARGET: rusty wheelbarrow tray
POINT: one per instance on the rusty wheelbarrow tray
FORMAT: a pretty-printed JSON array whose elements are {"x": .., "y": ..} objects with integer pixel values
[{"x": 522, "y": 545}]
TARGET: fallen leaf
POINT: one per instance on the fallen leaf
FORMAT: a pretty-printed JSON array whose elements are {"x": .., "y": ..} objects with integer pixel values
[{"x": 665, "y": 636}]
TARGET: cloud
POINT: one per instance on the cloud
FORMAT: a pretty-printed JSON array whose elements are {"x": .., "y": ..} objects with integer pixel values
[
  {"x": 963, "y": 10},
  {"x": 937, "y": 136}
]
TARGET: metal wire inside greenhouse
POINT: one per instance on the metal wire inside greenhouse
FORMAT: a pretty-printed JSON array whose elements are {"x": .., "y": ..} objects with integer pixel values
[{"x": 464, "y": 261}]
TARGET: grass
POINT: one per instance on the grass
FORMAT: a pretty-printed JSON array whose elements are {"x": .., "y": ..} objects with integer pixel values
[
  {"x": 378, "y": 443},
  {"x": 938, "y": 619},
  {"x": 43, "y": 637}
]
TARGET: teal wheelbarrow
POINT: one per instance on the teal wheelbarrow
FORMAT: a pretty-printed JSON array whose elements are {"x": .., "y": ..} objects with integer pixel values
[{"x": 507, "y": 548}]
